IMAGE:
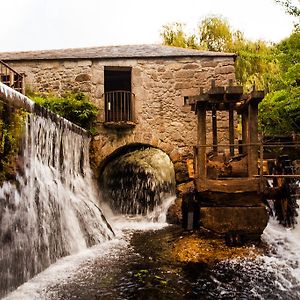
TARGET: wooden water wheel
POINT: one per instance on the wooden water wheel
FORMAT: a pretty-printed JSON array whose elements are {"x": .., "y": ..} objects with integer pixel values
[{"x": 285, "y": 205}]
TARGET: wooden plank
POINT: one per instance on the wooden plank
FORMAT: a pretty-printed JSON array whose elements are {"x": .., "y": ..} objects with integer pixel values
[{"x": 236, "y": 185}]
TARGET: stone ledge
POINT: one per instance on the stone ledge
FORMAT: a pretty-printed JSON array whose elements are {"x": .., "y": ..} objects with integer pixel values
[{"x": 119, "y": 125}]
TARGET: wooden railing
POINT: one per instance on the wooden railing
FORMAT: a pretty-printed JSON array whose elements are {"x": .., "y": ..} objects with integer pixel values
[
  {"x": 11, "y": 78},
  {"x": 119, "y": 106}
]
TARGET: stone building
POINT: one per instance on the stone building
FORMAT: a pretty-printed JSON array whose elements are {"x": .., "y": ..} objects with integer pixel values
[{"x": 140, "y": 91}]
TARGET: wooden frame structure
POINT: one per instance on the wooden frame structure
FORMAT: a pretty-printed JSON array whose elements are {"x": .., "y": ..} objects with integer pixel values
[
  {"x": 230, "y": 99},
  {"x": 228, "y": 188}
]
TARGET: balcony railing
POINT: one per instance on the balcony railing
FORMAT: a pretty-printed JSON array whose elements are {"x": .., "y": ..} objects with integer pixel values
[
  {"x": 119, "y": 108},
  {"x": 11, "y": 78}
]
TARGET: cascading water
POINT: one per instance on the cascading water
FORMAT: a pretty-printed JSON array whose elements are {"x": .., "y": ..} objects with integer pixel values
[
  {"x": 51, "y": 210},
  {"x": 139, "y": 182}
]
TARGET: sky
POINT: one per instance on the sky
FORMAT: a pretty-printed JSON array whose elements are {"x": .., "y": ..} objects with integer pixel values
[{"x": 58, "y": 24}]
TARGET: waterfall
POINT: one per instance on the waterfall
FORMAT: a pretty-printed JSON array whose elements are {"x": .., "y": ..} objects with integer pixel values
[
  {"x": 139, "y": 182},
  {"x": 51, "y": 210}
]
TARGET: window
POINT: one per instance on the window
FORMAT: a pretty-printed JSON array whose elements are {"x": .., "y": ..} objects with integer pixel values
[{"x": 119, "y": 106}]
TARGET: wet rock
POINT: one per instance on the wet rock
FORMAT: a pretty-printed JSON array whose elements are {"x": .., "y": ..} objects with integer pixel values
[{"x": 174, "y": 214}]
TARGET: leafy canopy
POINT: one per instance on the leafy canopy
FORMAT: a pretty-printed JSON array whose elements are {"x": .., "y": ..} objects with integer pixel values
[
  {"x": 254, "y": 62},
  {"x": 280, "y": 110}
]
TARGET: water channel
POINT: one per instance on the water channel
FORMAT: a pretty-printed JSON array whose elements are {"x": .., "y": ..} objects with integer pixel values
[{"x": 139, "y": 264}]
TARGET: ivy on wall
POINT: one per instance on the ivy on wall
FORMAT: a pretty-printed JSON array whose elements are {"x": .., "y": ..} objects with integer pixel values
[{"x": 11, "y": 129}]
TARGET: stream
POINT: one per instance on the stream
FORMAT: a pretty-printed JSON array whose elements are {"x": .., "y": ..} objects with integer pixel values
[{"x": 140, "y": 264}]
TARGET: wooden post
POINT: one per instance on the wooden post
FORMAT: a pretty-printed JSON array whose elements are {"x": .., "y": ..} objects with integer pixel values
[
  {"x": 245, "y": 131},
  {"x": 23, "y": 84},
  {"x": 201, "y": 160},
  {"x": 261, "y": 168},
  {"x": 214, "y": 130},
  {"x": 11, "y": 79},
  {"x": 231, "y": 130},
  {"x": 252, "y": 139}
]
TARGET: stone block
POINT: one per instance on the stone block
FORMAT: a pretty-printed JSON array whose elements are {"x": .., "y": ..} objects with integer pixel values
[
  {"x": 98, "y": 76},
  {"x": 84, "y": 63},
  {"x": 191, "y": 66},
  {"x": 70, "y": 64},
  {"x": 248, "y": 220},
  {"x": 175, "y": 156},
  {"x": 181, "y": 172},
  {"x": 82, "y": 77},
  {"x": 209, "y": 63}
]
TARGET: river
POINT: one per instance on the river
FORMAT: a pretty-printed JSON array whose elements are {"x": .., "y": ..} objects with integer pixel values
[{"x": 138, "y": 264}]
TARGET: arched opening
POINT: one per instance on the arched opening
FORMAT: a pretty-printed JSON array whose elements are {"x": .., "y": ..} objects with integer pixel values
[{"x": 136, "y": 179}]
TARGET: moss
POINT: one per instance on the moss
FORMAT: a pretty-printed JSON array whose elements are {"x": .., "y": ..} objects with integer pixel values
[
  {"x": 11, "y": 129},
  {"x": 194, "y": 248}
]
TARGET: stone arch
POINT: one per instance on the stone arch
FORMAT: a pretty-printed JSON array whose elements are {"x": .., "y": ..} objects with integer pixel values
[
  {"x": 111, "y": 152},
  {"x": 139, "y": 172},
  {"x": 120, "y": 151}
]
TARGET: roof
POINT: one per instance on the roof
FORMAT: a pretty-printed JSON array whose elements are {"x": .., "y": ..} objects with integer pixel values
[{"x": 111, "y": 52}]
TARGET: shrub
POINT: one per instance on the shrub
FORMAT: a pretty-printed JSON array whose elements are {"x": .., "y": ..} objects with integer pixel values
[{"x": 73, "y": 106}]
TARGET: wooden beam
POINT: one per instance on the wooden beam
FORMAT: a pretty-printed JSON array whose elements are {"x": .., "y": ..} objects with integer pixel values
[
  {"x": 214, "y": 130},
  {"x": 201, "y": 157},
  {"x": 231, "y": 130},
  {"x": 252, "y": 139}
]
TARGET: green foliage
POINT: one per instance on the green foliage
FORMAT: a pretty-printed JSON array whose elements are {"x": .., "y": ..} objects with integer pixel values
[
  {"x": 11, "y": 129},
  {"x": 255, "y": 63},
  {"x": 215, "y": 34},
  {"x": 73, "y": 106},
  {"x": 174, "y": 35},
  {"x": 280, "y": 110},
  {"x": 292, "y": 7},
  {"x": 273, "y": 68}
]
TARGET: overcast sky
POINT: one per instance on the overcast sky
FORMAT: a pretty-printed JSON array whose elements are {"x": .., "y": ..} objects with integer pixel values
[{"x": 56, "y": 24}]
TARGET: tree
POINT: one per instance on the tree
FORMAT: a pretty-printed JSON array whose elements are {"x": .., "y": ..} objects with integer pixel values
[
  {"x": 174, "y": 35},
  {"x": 254, "y": 61},
  {"x": 215, "y": 34},
  {"x": 280, "y": 110},
  {"x": 291, "y": 7},
  {"x": 273, "y": 68}
]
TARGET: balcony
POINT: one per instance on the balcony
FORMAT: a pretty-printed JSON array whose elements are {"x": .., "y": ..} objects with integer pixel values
[
  {"x": 10, "y": 77},
  {"x": 119, "y": 109}
]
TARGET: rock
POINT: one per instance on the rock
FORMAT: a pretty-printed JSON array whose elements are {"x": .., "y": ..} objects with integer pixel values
[
  {"x": 174, "y": 214},
  {"x": 181, "y": 172},
  {"x": 82, "y": 77}
]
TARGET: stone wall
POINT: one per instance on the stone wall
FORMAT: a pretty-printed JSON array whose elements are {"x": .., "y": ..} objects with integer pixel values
[{"x": 159, "y": 86}]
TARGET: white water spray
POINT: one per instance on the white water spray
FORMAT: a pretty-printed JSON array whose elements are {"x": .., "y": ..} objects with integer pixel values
[{"x": 51, "y": 210}]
